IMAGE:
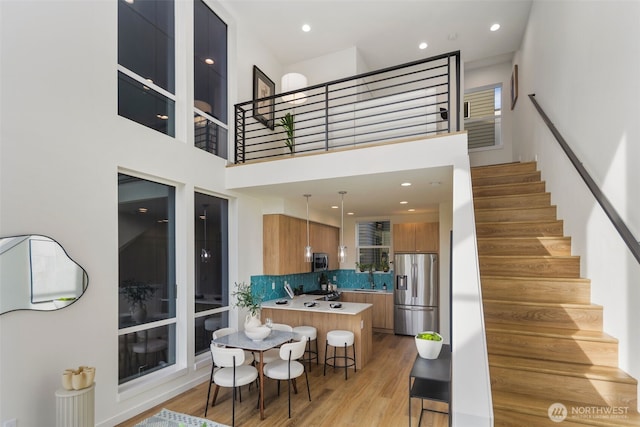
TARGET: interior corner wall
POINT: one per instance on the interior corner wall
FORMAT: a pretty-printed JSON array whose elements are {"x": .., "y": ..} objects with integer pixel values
[
  {"x": 485, "y": 76},
  {"x": 582, "y": 61}
]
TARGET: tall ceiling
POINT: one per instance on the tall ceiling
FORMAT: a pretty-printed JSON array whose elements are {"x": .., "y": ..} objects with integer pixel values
[{"x": 385, "y": 33}]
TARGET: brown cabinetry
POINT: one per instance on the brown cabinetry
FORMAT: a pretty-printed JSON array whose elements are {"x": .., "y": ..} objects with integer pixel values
[
  {"x": 382, "y": 310},
  {"x": 416, "y": 237},
  {"x": 284, "y": 239}
]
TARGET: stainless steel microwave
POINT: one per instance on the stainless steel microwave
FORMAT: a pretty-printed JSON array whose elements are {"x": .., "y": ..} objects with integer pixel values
[{"x": 320, "y": 262}]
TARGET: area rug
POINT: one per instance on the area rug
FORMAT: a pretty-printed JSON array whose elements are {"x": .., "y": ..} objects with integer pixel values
[{"x": 167, "y": 418}]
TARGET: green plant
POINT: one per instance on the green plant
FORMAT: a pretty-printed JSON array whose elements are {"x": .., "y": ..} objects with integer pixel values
[
  {"x": 135, "y": 292},
  {"x": 247, "y": 299},
  {"x": 363, "y": 267},
  {"x": 288, "y": 124},
  {"x": 384, "y": 266},
  {"x": 431, "y": 336}
]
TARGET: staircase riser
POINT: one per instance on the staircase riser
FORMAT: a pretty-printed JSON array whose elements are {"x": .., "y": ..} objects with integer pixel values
[
  {"x": 537, "y": 291},
  {"x": 504, "y": 169},
  {"x": 522, "y": 246},
  {"x": 511, "y": 215},
  {"x": 589, "y": 391},
  {"x": 553, "y": 348},
  {"x": 530, "y": 266},
  {"x": 507, "y": 179},
  {"x": 524, "y": 201},
  {"x": 509, "y": 189},
  {"x": 524, "y": 229},
  {"x": 589, "y": 319}
]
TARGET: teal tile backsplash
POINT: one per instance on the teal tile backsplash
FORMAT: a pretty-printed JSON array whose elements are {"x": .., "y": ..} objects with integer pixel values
[{"x": 262, "y": 285}]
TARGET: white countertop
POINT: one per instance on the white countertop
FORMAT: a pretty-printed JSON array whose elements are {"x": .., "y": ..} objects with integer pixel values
[
  {"x": 297, "y": 303},
  {"x": 367, "y": 290}
]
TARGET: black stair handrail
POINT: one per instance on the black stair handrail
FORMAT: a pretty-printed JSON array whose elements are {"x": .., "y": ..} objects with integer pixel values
[{"x": 616, "y": 219}]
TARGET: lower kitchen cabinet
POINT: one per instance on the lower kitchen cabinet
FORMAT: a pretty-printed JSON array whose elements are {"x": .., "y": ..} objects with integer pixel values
[{"x": 382, "y": 311}]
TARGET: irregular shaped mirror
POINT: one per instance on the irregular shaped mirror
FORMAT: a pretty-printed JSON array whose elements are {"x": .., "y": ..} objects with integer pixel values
[{"x": 37, "y": 274}]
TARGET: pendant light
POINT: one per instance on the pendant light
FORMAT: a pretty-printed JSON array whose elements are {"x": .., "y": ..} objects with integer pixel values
[
  {"x": 342, "y": 249},
  {"x": 308, "y": 252},
  {"x": 205, "y": 255}
]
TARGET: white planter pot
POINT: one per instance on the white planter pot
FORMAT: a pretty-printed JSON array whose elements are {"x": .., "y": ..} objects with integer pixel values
[{"x": 429, "y": 349}]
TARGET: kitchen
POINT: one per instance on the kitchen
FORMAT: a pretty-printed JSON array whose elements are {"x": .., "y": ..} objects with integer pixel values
[{"x": 374, "y": 297}]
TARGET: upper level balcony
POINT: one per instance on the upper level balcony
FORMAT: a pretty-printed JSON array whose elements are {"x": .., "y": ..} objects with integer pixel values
[{"x": 400, "y": 103}]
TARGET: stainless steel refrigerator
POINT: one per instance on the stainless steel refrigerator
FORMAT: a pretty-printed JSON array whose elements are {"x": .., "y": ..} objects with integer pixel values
[{"x": 416, "y": 293}]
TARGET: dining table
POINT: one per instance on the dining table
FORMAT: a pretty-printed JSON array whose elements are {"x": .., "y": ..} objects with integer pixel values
[{"x": 240, "y": 340}]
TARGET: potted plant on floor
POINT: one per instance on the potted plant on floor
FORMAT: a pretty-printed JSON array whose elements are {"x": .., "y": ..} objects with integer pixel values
[{"x": 288, "y": 124}]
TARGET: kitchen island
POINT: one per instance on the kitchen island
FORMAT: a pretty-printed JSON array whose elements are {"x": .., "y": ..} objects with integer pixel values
[{"x": 354, "y": 317}]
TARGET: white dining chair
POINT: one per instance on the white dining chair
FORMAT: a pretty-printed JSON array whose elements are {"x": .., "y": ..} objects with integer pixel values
[
  {"x": 248, "y": 360},
  {"x": 288, "y": 368},
  {"x": 232, "y": 373}
]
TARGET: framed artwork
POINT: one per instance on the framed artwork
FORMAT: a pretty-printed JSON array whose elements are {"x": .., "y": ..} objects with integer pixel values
[
  {"x": 514, "y": 86},
  {"x": 263, "y": 87}
]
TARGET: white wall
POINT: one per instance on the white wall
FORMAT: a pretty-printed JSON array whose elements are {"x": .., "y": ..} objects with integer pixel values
[
  {"x": 485, "y": 76},
  {"x": 62, "y": 145},
  {"x": 582, "y": 60}
]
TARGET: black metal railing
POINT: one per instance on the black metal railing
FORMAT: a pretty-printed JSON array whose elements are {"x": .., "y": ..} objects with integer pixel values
[
  {"x": 616, "y": 219},
  {"x": 415, "y": 99}
]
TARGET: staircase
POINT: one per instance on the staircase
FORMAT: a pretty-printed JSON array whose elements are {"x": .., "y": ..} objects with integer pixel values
[{"x": 544, "y": 337}]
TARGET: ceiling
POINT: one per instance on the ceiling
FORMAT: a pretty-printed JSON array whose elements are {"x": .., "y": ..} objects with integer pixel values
[{"x": 385, "y": 33}]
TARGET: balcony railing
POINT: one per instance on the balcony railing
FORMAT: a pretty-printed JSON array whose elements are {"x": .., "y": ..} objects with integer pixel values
[{"x": 421, "y": 98}]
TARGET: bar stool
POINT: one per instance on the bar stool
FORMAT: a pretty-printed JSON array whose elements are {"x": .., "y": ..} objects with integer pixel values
[
  {"x": 312, "y": 335},
  {"x": 337, "y": 339}
]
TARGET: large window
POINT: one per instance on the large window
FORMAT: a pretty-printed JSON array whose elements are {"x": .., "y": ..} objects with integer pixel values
[
  {"x": 483, "y": 116},
  {"x": 373, "y": 243},
  {"x": 146, "y": 63},
  {"x": 210, "y": 80},
  {"x": 211, "y": 268},
  {"x": 147, "y": 277}
]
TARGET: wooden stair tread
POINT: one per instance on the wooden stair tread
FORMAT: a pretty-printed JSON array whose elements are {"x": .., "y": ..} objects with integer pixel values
[
  {"x": 545, "y": 279},
  {"x": 502, "y": 169},
  {"x": 512, "y": 200},
  {"x": 592, "y": 372},
  {"x": 534, "y": 245},
  {"x": 589, "y": 306},
  {"x": 521, "y": 176},
  {"x": 539, "y": 406},
  {"x": 509, "y": 185},
  {"x": 579, "y": 334}
]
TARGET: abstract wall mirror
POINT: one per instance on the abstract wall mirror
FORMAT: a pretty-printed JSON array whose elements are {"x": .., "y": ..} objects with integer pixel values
[{"x": 37, "y": 274}]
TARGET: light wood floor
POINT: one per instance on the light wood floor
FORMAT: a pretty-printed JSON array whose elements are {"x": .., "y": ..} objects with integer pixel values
[{"x": 376, "y": 395}]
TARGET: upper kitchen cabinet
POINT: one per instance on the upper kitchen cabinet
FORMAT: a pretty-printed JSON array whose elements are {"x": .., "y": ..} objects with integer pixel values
[
  {"x": 416, "y": 237},
  {"x": 284, "y": 239}
]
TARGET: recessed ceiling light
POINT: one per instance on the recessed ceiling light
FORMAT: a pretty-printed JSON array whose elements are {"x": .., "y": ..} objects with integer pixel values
[
  {"x": 495, "y": 27},
  {"x": 435, "y": 183},
  {"x": 404, "y": 202},
  {"x": 162, "y": 116},
  {"x": 423, "y": 45},
  {"x": 334, "y": 207},
  {"x": 350, "y": 213},
  {"x": 209, "y": 61},
  {"x": 411, "y": 210},
  {"x": 406, "y": 184},
  {"x": 142, "y": 210},
  {"x": 306, "y": 28}
]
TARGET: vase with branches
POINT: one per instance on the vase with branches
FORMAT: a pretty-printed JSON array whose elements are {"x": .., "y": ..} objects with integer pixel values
[
  {"x": 137, "y": 293},
  {"x": 245, "y": 298}
]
